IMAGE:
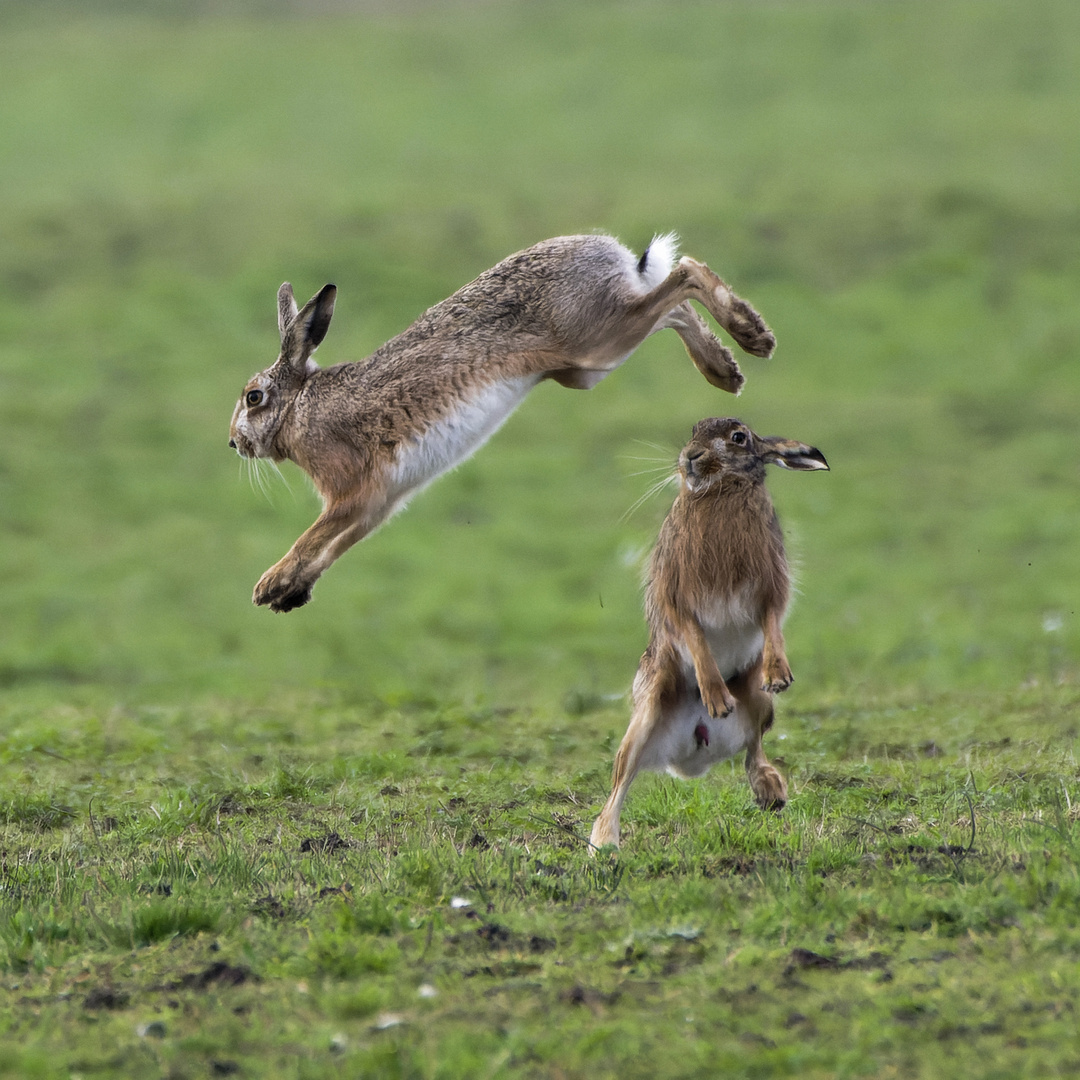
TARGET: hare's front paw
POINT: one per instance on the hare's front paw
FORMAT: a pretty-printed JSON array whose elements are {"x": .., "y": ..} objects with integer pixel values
[
  {"x": 769, "y": 787},
  {"x": 716, "y": 697},
  {"x": 283, "y": 587},
  {"x": 776, "y": 676}
]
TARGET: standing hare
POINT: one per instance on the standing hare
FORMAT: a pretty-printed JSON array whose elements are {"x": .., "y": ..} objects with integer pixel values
[
  {"x": 371, "y": 434},
  {"x": 717, "y": 590}
]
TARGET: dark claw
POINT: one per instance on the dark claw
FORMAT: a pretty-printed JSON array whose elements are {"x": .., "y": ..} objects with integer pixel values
[{"x": 292, "y": 600}]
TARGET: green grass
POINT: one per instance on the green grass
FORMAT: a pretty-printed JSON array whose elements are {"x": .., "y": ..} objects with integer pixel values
[
  {"x": 232, "y": 839},
  {"x": 282, "y": 913}
]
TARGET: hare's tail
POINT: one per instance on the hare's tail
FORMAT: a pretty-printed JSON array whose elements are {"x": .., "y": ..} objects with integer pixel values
[{"x": 658, "y": 259}]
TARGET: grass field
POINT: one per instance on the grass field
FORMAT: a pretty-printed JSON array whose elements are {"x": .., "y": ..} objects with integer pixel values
[{"x": 349, "y": 841}]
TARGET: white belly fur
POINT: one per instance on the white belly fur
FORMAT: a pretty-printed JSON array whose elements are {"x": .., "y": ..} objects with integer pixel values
[
  {"x": 734, "y": 634},
  {"x": 735, "y": 640},
  {"x": 456, "y": 436},
  {"x": 674, "y": 747}
]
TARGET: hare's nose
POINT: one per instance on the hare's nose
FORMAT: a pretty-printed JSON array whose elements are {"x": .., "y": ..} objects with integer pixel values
[
  {"x": 691, "y": 457},
  {"x": 232, "y": 444}
]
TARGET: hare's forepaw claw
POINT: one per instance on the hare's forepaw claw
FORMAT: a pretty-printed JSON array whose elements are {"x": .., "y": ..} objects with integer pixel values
[
  {"x": 777, "y": 686},
  {"x": 293, "y": 600},
  {"x": 717, "y": 701},
  {"x": 776, "y": 679},
  {"x": 282, "y": 588}
]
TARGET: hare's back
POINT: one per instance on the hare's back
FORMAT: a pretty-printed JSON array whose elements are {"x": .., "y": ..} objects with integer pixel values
[{"x": 545, "y": 292}]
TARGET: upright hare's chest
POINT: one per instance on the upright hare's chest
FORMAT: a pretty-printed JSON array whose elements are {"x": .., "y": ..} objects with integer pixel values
[{"x": 733, "y": 631}]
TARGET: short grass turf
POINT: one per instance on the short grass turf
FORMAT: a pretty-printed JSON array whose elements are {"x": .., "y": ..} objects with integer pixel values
[
  {"x": 350, "y": 840},
  {"x": 316, "y": 888}
]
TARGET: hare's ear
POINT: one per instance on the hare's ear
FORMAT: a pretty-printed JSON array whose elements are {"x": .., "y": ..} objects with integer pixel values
[
  {"x": 305, "y": 332},
  {"x": 789, "y": 454},
  {"x": 286, "y": 308}
]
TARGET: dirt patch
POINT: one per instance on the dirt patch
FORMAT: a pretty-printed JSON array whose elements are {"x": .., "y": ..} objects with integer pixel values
[
  {"x": 218, "y": 973},
  {"x": 323, "y": 844},
  {"x": 493, "y": 934},
  {"x": 270, "y": 906},
  {"x": 589, "y": 997},
  {"x": 335, "y": 890},
  {"x": 806, "y": 960},
  {"x": 106, "y": 997}
]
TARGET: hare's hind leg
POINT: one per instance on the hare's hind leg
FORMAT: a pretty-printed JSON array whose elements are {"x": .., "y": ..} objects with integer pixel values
[
  {"x": 768, "y": 786},
  {"x": 733, "y": 313},
  {"x": 605, "y": 830},
  {"x": 710, "y": 356},
  {"x": 692, "y": 280},
  {"x": 603, "y": 343},
  {"x": 650, "y": 685}
]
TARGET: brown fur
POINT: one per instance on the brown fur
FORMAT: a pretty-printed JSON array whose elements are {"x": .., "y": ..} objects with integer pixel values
[
  {"x": 568, "y": 309},
  {"x": 718, "y": 571}
]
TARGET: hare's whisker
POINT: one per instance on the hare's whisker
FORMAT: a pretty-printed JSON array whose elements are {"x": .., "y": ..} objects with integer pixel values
[
  {"x": 670, "y": 451},
  {"x": 653, "y": 469},
  {"x": 655, "y": 462},
  {"x": 652, "y": 490}
]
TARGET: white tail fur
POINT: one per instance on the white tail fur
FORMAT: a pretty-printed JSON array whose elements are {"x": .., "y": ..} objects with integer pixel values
[{"x": 659, "y": 258}]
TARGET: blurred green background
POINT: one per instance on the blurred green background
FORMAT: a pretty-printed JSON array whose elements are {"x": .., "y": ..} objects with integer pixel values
[{"x": 893, "y": 185}]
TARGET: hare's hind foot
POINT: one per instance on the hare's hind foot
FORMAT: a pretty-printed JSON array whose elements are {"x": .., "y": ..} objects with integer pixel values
[
  {"x": 745, "y": 325},
  {"x": 711, "y": 357},
  {"x": 768, "y": 786},
  {"x": 733, "y": 313},
  {"x": 283, "y": 587},
  {"x": 605, "y": 833},
  {"x": 716, "y": 363}
]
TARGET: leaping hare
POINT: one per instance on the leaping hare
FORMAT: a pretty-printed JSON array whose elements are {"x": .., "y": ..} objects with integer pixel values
[
  {"x": 371, "y": 434},
  {"x": 716, "y": 594}
]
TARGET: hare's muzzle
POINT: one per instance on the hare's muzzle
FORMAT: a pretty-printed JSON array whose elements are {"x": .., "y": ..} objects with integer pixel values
[
  {"x": 690, "y": 458},
  {"x": 242, "y": 445}
]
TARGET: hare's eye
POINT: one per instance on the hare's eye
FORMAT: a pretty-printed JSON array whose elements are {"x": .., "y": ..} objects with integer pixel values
[
  {"x": 253, "y": 397},
  {"x": 738, "y": 437}
]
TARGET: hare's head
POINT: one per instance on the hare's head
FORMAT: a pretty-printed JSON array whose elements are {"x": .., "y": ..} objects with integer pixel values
[
  {"x": 726, "y": 447},
  {"x": 268, "y": 396}
]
